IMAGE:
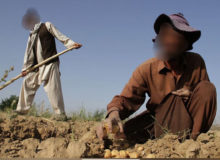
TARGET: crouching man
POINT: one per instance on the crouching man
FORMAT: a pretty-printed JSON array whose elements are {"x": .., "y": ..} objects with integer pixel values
[
  {"x": 182, "y": 98},
  {"x": 40, "y": 46}
]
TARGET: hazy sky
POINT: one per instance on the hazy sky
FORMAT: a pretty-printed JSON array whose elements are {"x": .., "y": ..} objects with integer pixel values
[{"x": 116, "y": 37}]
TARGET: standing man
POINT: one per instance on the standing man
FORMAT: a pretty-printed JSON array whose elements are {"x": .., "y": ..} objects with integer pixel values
[
  {"x": 40, "y": 46},
  {"x": 182, "y": 98}
]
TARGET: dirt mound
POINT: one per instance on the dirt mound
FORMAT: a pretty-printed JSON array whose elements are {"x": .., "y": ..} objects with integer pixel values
[
  {"x": 206, "y": 146},
  {"x": 33, "y": 127},
  {"x": 37, "y": 137}
]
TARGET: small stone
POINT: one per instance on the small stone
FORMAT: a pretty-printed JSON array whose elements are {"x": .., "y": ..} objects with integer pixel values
[
  {"x": 114, "y": 153},
  {"x": 123, "y": 154},
  {"x": 150, "y": 156},
  {"x": 140, "y": 148},
  {"x": 133, "y": 155},
  {"x": 107, "y": 153},
  {"x": 127, "y": 152}
]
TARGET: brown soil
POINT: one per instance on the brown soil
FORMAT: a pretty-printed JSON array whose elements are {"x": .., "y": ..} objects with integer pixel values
[{"x": 36, "y": 137}]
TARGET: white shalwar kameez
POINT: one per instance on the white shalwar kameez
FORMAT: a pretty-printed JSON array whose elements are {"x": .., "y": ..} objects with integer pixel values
[{"x": 48, "y": 74}]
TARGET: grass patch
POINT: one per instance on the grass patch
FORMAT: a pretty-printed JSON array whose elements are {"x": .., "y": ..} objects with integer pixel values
[
  {"x": 84, "y": 115},
  {"x": 39, "y": 110}
]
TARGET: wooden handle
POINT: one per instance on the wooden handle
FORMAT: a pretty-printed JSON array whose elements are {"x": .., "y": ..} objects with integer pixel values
[{"x": 36, "y": 66}]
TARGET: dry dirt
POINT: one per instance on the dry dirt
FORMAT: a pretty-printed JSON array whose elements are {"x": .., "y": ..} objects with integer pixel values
[{"x": 36, "y": 137}]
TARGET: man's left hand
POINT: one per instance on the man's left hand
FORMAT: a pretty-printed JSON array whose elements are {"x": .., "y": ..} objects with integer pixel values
[{"x": 183, "y": 92}]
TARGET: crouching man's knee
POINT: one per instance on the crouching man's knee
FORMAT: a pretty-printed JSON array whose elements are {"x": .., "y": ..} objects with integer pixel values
[{"x": 206, "y": 90}]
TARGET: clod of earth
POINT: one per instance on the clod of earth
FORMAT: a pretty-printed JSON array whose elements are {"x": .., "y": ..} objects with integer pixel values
[{"x": 107, "y": 132}]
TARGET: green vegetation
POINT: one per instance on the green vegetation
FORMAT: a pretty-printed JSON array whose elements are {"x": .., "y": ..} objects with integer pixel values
[
  {"x": 9, "y": 104},
  {"x": 39, "y": 110},
  {"x": 98, "y": 115}
]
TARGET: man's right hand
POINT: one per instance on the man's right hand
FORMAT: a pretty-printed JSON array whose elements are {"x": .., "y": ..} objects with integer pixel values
[
  {"x": 24, "y": 73},
  {"x": 113, "y": 119},
  {"x": 77, "y": 45}
]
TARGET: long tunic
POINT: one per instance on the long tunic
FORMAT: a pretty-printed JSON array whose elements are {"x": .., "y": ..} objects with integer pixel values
[
  {"x": 30, "y": 57},
  {"x": 156, "y": 80}
]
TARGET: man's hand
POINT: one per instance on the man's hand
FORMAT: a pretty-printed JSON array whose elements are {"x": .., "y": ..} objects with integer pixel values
[
  {"x": 113, "y": 119},
  {"x": 77, "y": 45},
  {"x": 24, "y": 73},
  {"x": 183, "y": 92}
]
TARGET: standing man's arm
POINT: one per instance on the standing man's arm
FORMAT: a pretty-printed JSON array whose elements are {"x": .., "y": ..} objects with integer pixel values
[
  {"x": 25, "y": 64},
  {"x": 68, "y": 43},
  {"x": 27, "y": 60}
]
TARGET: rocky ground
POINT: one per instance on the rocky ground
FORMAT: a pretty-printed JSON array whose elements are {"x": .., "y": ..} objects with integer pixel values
[{"x": 37, "y": 137}]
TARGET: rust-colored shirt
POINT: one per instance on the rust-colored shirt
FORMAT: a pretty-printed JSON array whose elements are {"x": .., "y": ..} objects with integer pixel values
[{"x": 156, "y": 80}]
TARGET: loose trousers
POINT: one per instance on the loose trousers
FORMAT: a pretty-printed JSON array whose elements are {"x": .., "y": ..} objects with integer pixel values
[
  {"x": 173, "y": 115},
  {"x": 52, "y": 86}
]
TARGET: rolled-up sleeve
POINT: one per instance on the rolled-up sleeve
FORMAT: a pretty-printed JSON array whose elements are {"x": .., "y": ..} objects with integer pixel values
[
  {"x": 132, "y": 96},
  {"x": 60, "y": 36}
]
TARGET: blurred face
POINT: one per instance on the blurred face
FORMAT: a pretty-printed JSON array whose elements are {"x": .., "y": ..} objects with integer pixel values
[
  {"x": 170, "y": 43},
  {"x": 30, "y": 19}
]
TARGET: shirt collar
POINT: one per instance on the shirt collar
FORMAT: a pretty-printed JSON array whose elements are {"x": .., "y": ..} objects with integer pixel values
[
  {"x": 162, "y": 67},
  {"x": 36, "y": 28}
]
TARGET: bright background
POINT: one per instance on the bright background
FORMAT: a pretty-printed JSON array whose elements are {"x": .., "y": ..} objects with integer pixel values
[{"x": 116, "y": 37}]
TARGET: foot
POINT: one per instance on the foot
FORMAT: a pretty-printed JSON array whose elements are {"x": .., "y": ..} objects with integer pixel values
[
  {"x": 60, "y": 117},
  {"x": 15, "y": 113},
  {"x": 21, "y": 112}
]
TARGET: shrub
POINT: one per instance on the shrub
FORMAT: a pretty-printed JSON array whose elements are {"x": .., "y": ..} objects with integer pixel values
[{"x": 9, "y": 103}]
